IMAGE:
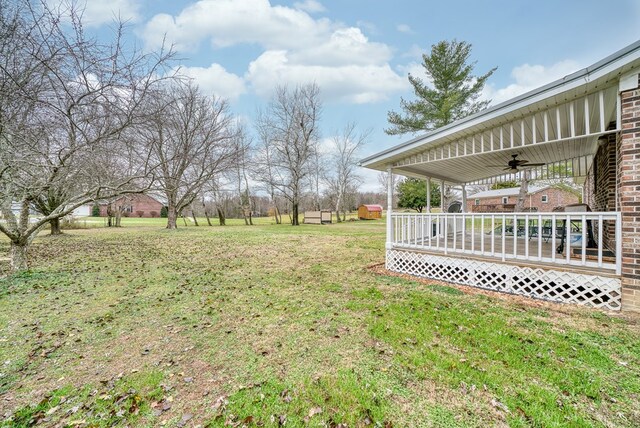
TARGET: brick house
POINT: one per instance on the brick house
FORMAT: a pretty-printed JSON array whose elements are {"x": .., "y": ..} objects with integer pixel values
[
  {"x": 134, "y": 205},
  {"x": 584, "y": 127},
  {"x": 539, "y": 198}
]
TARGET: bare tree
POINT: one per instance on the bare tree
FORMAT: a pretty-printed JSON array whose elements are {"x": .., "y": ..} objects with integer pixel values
[
  {"x": 289, "y": 129},
  {"x": 67, "y": 99},
  {"x": 189, "y": 136},
  {"x": 344, "y": 161},
  {"x": 242, "y": 147}
]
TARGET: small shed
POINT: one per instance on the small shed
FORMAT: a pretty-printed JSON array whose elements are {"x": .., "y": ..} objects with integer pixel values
[
  {"x": 317, "y": 217},
  {"x": 369, "y": 212}
]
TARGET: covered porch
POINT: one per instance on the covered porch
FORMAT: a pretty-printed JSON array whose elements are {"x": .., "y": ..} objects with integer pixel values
[{"x": 575, "y": 255}]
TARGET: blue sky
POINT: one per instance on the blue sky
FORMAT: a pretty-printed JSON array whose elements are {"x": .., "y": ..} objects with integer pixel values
[{"x": 360, "y": 51}]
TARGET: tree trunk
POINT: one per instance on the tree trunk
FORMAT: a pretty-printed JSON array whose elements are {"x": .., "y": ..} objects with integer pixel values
[
  {"x": 206, "y": 214},
  {"x": 18, "y": 254},
  {"x": 195, "y": 220},
  {"x": 250, "y": 219},
  {"x": 338, "y": 209},
  {"x": 184, "y": 219},
  {"x": 221, "y": 218},
  {"x": 118, "y": 217},
  {"x": 295, "y": 221},
  {"x": 55, "y": 226},
  {"x": 277, "y": 214},
  {"x": 172, "y": 217}
]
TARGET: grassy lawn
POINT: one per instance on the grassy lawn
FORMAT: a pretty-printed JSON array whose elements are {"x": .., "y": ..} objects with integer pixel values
[{"x": 273, "y": 325}]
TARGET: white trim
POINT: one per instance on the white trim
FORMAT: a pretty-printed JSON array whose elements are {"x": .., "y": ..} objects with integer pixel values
[{"x": 544, "y": 283}]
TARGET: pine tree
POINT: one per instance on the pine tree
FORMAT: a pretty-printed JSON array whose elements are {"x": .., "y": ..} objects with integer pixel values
[{"x": 452, "y": 93}]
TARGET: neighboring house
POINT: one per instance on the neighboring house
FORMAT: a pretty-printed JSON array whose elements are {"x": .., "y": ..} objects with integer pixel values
[
  {"x": 539, "y": 198},
  {"x": 134, "y": 205},
  {"x": 584, "y": 127},
  {"x": 82, "y": 211}
]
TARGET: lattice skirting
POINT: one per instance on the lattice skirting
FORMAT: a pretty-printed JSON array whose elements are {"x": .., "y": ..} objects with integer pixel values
[{"x": 547, "y": 284}]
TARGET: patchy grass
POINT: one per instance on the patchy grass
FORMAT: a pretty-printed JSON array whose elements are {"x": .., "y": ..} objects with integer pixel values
[{"x": 271, "y": 325}]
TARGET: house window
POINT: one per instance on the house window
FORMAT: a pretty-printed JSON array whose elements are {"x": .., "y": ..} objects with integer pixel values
[
  {"x": 545, "y": 199},
  {"x": 505, "y": 199},
  {"x": 477, "y": 201}
]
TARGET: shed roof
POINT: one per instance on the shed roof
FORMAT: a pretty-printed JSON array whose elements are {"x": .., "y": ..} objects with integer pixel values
[{"x": 372, "y": 207}]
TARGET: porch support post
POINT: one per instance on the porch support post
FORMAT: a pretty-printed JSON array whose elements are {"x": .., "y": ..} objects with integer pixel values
[
  {"x": 464, "y": 198},
  {"x": 628, "y": 171},
  {"x": 389, "y": 207},
  {"x": 428, "y": 194},
  {"x": 442, "y": 196}
]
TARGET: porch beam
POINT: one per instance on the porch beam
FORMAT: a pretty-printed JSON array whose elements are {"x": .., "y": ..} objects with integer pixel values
[
  {"x": 428, "y": 194},
  {"x": 389, "y": 207},
  {"x": 464, "y": 198}
]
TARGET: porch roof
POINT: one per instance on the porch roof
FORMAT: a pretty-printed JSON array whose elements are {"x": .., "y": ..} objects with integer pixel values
[{"x": 556, "y": 124}]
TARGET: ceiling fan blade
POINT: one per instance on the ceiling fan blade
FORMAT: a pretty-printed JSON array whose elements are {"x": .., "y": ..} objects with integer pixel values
[
  {"x": 509, "y": 169},
  {"x": 495, "y": 166},
  {"x": 529, "y": 165}
]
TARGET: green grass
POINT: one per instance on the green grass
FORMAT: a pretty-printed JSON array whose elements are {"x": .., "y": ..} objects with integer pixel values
[{"x": 253, "y": 326}]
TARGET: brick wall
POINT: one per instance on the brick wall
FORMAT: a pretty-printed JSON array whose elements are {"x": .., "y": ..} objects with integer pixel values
[
  {"x": 629, "y": 197},
  {"x": 134, "y": 203},
  {"x": 555, "y": 198},
  {"x": 600, "y": 185}
]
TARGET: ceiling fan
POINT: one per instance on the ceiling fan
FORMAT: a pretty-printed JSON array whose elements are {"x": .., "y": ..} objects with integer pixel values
[{"x": 514, "y": 164}]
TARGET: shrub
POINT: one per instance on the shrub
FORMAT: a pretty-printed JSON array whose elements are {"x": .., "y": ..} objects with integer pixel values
[
  {"x": 95, "y": 210},
  {"x": 164, "y": 211},
  {"x": 153, "y": 214},
  {"x": 140, "y": 213}
]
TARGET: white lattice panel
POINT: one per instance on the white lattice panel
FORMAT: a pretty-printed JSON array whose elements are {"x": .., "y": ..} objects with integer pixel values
[{"x": 546, "y": 284}]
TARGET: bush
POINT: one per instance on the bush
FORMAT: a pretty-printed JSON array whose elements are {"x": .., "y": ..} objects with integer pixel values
[
  {"x": 95, "y": 210},
  {"x": 164, "y": 211},
  {"x": 140, "y": 213},
  {"x": 153, "y": 214}
]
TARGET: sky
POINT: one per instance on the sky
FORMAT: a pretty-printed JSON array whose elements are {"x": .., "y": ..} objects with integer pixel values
[{"x": 360, "y": 52}]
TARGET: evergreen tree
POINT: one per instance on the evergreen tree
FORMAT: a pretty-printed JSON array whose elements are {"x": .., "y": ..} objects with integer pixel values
[
  {"x": 412, "y": 193},
  {"x": 452, "y": 91}
]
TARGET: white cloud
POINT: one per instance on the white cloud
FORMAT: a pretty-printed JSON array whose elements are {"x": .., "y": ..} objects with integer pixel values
[
  {"x": 230, "y": 22},
  {"x": 298, "y": 48},
  {"x": 528, "y": 77},
  {"x": 404, "y": 28},
  {"x": 344, "y": 46},
  {"x": 99, "y": 12},
  {"x": 216, "y": 80},
  {"x": 311, "y": 6},
  {"x": 358, "y": 84}
]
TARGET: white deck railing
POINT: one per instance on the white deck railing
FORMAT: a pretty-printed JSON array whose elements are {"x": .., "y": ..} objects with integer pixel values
[{"x": 590, "y": 239}]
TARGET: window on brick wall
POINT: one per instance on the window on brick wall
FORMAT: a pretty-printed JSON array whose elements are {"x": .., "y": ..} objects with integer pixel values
[
  {"x": 477, "y": 201},
  {"x": 505, "y": 199},
  {"x": 545, "y": 199}
]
